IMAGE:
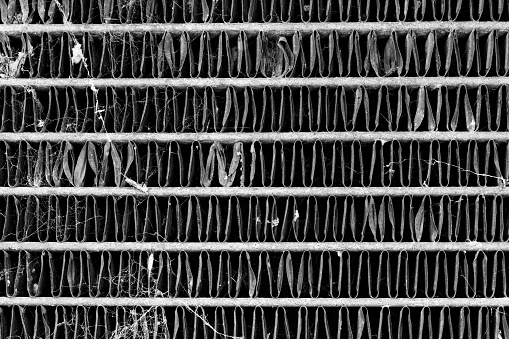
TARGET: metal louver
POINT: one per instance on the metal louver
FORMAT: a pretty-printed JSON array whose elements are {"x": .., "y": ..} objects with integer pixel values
[{"x": 254, "y": 169}]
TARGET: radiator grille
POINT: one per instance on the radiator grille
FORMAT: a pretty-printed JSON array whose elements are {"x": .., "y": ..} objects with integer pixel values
[{"x": 254, "y": 169}]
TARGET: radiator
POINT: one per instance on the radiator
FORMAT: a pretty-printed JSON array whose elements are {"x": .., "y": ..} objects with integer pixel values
[{"x": 254, "y": 169}]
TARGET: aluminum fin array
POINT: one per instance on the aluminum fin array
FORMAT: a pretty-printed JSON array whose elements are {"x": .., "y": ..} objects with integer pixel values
[
  {"x": 254, "y": 169},
  {"x": 193, "y": 11}
]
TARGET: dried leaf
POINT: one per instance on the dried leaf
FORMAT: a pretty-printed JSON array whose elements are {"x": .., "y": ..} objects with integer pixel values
[
  {"x": 280, "y": 273},
  {"x": 236, "y": 159},
  {"x": 360, "y": 323},
  {"x": 131, "y": 152},
  {"x": 117, "y": 164},
  {"x": 469, "y": 114},
  {"x": 221, "y": 164},
  {"x": 150, "y": 9},
  {"x": 289, "y": 270},
  {"x": 371, "y": 214},
  {"x": 505, "y": 326},
  {"x": 11, "y": 11},
  {"x": 39, "y": 166},
  {"x": 68, "y": 171},
  {"x": 381, "y": 220},
  {"x": 3, "y": 11},
  {"x": 300, "y": 276},
  {"x": 419, "y": 221},
  {"x": 207, "y": 172},
  {"x": 184, "y": 44},
  {"x": 92, "y": 160},
  {"x": 259, "y": 52},
  {"x": 358, "y": 99},
  {"x": 390, "y": 208},
  {"x": 430, "y": 47},
  {"x": 253, "y": 162},
  {"x": 432, "y": 124},
  {"x": 288, "y": 56},
  {"x": 374, "y": 56},
  {"x": 107, "y": 10},
  {"x": 25, "y": 11},
  {"x": 470, "y": 51},
  {"x": 104, "y": 165},
  {"x": 390, "y": 57},
  {"x": 412, "y": 52},
  {"x": 226, "y": 178},
  {"x": 449, "y": 47},
  {"x": 252, "y": 277},
  {"x": 81, "y": 167},
  {"x": 419, "y": 114},
  {"x": 433, "y": 227},
  {"x": 489, "y": 48},
  {"x": 57, "y": 169},
  {"x": 169, "y": 51}
]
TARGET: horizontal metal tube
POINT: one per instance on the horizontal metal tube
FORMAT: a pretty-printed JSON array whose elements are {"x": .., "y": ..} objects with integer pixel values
[
  {"x": 264, "y": 137},
  {"x": 254, "y": 246},
  {"x": 382, "y": 28},
  {"x": 368, "y": 82},
  {"x": 256, "y": 302},
  {"x": 256, "y": 191}
]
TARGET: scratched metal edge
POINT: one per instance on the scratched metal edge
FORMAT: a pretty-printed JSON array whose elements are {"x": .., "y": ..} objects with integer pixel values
[
  {"x": 275, "y": 82},
  {"x": 257, "y": 191},
  {"x": 254, "y": 302},
  {"x": 382, "y": 28},
  {"x": 255, "y": 246},
  {"x": 263, "y": 137}
]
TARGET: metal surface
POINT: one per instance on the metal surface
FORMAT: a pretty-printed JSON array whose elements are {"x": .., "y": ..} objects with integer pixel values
[
  {"x": 277, "y": 29},
  {"x": 263, "y": 137},
  {"x": 256, "y": 191},
  {"x": 368, "y": 82},
  {"x": 254, "y": 246},
  {"x": 256, "y": 302}
]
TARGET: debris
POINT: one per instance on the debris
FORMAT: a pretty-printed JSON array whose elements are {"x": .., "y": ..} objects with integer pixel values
[
  {"x": 142, "y": 187},
  {"x": 150, "y": 262},
  {"x": 17, "y": 19},
  {"x": 11, "y": 68},
  {"x": 471, "y": 125},
  {"x": 77, "y": 54}
]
